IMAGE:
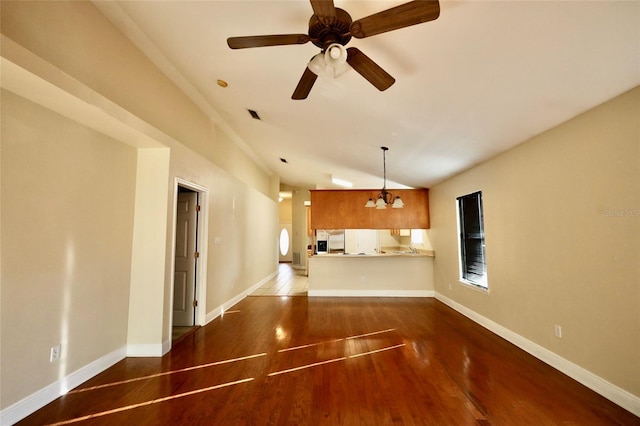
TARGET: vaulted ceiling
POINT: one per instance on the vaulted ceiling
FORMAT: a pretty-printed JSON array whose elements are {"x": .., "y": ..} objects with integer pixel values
[{"x": 482, "y": 78}]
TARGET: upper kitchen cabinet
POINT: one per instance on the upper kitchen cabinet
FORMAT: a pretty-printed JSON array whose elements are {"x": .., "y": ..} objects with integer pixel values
[{"x": 344, "y": 209}]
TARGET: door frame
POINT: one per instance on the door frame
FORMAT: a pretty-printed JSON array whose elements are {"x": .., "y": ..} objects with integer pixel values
[{"x": 202, "y": 247}]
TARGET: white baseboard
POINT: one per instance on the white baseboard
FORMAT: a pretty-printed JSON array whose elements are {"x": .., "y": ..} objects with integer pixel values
[
  {"x": 145, "y": 350},
  {"x": 39, "y": 399},
  {"x": 166, "y": 346},
  {"x": 217, "y": 311},
  {"x": 625, "y": 399},
  {"x": 371, "y": 293}
]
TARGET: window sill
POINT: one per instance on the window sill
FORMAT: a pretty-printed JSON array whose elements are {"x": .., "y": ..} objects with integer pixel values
[{"x": 474, "y": 286}]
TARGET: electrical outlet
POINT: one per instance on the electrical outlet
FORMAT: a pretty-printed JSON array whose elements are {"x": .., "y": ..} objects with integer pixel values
[
  {"x": 55, "y": 353},
  {"x": 363, "y": 279},
  {"x": 449, "y": 286},
  {"x": 558, "y": 331}
]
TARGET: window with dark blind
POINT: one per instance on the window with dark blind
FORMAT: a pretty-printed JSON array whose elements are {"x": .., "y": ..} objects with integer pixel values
[{"x": 473, "y": 266}]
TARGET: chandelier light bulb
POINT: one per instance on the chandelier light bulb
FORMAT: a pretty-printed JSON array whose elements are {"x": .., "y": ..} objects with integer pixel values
[{"x": 385, "y": 197}]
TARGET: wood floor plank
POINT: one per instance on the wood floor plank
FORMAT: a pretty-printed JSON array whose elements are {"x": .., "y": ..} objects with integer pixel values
[{"x": 335, "y": 361}]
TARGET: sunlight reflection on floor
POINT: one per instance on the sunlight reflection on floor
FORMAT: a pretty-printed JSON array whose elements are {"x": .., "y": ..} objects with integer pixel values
[{"x": 346, "y": 340}]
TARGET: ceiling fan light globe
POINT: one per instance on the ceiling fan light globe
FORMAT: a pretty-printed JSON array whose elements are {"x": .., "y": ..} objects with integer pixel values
[
  {"x": 340, "y": 69},
  {"x": 317, "y": 64},
  {"x": 335, "y": 55}
]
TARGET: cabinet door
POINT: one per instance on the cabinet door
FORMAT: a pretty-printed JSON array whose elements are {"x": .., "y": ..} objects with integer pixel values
[{"x": 345, "y": 209}]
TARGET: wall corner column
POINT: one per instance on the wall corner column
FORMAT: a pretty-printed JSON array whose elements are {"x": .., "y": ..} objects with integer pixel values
[{"x": 144, "y": 333}]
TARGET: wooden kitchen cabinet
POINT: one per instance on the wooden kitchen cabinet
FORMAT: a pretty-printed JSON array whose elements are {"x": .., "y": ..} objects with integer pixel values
[{"x": 344, "y": 209}]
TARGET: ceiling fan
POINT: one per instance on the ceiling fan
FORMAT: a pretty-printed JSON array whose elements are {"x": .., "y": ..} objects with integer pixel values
[{"x": 331, "y": 28}]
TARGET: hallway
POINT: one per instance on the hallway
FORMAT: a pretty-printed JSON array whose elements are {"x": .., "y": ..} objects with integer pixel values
[{"x": 289, "y": 281}]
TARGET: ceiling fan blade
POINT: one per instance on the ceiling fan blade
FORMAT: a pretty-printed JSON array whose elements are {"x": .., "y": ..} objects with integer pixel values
[
  {"x": 266, "y": 40},
  {"x": 405, "y": 15},
  {"x": 324, "y": 10},
  {"x": 369, "y": 69},
  {"x": 304, "y": 85}
]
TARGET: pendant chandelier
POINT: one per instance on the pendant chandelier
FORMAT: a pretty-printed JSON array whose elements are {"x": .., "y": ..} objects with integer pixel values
[{"x": 384, "y": 197}]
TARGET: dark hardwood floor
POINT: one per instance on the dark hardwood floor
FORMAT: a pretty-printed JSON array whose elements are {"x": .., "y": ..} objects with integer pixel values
[{"x": 335, "y": 361}]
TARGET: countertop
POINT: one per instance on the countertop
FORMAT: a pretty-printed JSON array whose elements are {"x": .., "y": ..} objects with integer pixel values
[{"x": 395, "y": 253}]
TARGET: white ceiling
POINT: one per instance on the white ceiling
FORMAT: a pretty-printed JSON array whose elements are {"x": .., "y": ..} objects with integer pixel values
[{"x": 482, "y": 78}]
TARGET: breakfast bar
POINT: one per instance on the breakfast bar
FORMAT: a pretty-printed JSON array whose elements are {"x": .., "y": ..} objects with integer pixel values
[{"x": 385, "y": 274}]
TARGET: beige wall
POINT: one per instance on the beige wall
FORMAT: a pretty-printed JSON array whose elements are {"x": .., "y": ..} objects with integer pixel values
[
  {"x": 232, "y": 159},
  {"x": 71, "y": 252},
  {"x": 75, "y": 37},
  {"x": 562, "y": 240},
  {"x": 67, "y": 221},
  {"x": 285, "y": 211}
]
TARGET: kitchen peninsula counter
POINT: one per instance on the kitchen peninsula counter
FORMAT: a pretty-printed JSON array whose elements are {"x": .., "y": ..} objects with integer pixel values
[{"x": 387, "y": 274}]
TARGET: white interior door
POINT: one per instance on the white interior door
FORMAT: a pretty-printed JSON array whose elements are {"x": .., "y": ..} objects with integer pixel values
[{"x": 184, "y": 282}]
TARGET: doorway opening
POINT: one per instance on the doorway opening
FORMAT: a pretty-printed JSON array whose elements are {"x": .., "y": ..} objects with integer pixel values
[
  {"x": 188, "y": 260},
  {"x": 285, "y": 240}
]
